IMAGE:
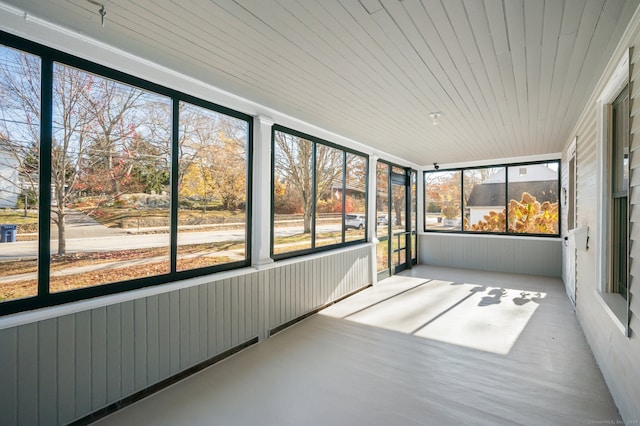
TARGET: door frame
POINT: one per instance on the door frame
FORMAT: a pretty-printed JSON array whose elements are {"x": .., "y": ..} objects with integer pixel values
[
  {"x": 569, "y": 198},
  {"x": 403, "y": 179}
]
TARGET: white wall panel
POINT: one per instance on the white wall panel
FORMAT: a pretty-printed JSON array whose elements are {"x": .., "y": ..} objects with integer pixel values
[
  {"x": 618, "y": 356},
  {"x": 524, "y": 255}
]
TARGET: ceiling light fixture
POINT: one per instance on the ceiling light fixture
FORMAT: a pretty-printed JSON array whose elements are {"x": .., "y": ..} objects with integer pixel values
[{"x": 435, "y": 117}]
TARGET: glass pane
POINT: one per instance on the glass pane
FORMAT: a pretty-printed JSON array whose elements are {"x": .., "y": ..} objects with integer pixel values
[
  {"x": 484, "y": 200},
  {"x": 414, "y": 247},
  {"x": 414, "y": 212},
  {"x": 402, "y": 257},
  {"x": 620, "y": 145},
  {"x": 382, "y": 255},
  {"x": 414, "y": 199},
  {"x": 619, "y": 246},
  {"x": 292, "y": 198},
  {"x": 442, "y": 201},
  {"x": 19, "y": 173},
  {"x": 356, "y": 197},
  {"x": 329, "y": 179},
  {"x": 110, "y": 181},
  {"x": 212, "y": 177},
  {"x": 398, "y": 170},
  {"x": 398, "y": 208},
  {"x": 382, "y": 200},
  {"x": 533, "y": 198}
]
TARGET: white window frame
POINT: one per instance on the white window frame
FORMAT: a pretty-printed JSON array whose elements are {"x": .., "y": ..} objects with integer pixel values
[{"x": 614, "y": 304}]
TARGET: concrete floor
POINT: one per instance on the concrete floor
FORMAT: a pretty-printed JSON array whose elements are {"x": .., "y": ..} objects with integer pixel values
[{"x": 431, "y": 346}]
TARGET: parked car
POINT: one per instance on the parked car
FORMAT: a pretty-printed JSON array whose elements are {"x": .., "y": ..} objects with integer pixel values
[
  {"x": 383, "y": 219},
  {"x": 354, "y": 221}
]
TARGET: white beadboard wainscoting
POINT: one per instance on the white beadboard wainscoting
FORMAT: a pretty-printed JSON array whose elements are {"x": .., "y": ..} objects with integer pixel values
[
  {"x": 63, "y": 368},
  {"x": 518, "y": 255}
]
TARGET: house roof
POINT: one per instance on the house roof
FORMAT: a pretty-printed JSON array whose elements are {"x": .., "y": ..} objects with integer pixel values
[{"x": 493, "y": 194}]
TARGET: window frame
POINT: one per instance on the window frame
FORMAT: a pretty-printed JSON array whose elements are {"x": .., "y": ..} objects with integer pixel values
[
  {"x": 614, "y": 305},
  {"x": 44, "y": 297},
  {"x": 619, "y": 206},
  {"x": 506, "y": 166},
  {"x": 316, "y": 140}
]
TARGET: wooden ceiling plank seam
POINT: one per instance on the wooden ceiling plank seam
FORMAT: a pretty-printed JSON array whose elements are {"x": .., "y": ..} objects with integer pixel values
[
  {"x": 606, "y": 26},
  {"x": 377, "y": 66},
  {"x": 431, "y": 51},
  {"x": 553, "y": 12},
  {"x": 404, "y": 56},
  {"x": 471, "y": 62},
  {"x": 475, "y": 13},
  {"x": 500, "y": 46},
  {"x": 499, "y": 31},
  {"x": 138, "y": 21},
  {"x": 403, "y": 19},
  {"x": 450, "y": 115},
  {"x": 390, "y": 57},
  {"x": 590, "y": 16},
  {"x": 563, "y": 53},
  {"x": 406, "y": 31},
  {"x": 454, "y": 45},
  {"x": 571, "y": 17},
  {"x": 340, "y": 97},
  {"x": 452, "y": 82},
  {"x": 333, "y": 32},
  {"x": 379, "y": 35},
  {"x": 177, "y": 53},
  {"x": 478, "y": 20},
  {"x": 534, "y": 15},
  {"x": 416, "y": 22},
  {"x": 461, "y": 23},
  {"x": 289, "y": 59},
  {"x": 360, "y": 34},
  {"x": 319, "y": 77},
  {"x": 365, "y": 86},
  {"x": 497, "y": 25},
  {"x": 289, "y": 30},
  {"x": 514, "y": 15},
  {"x": 280, "y": 91}
]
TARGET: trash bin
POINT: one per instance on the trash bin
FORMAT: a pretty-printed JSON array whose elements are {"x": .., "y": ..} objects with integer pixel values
[{"x": 8, "y": 233}]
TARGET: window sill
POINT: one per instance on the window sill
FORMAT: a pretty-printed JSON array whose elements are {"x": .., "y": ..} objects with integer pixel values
[
  {"x": 461, "y": 234},
  {"x": 616, "y": 308}
]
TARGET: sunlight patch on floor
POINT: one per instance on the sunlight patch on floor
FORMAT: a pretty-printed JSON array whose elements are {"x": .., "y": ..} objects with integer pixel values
[{"x": 476, "y": 316}]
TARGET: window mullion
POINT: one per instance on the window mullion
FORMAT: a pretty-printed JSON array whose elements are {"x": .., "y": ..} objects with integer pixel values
[
  {"x": 44, "y": 204},
  {"x": 173, "y": 214}
]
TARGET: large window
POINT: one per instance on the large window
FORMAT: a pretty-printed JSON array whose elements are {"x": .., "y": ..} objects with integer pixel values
[
  {"x": 512, "y": 199},
  {"x": 319, "y": 194},
  {"x": 212, "y": 197},
  {"x": 619, "y": 276},
  {"x": 443, "y": 200},
  {"x": 20, "y": 83},
  {"x": 140, "y": 184}
]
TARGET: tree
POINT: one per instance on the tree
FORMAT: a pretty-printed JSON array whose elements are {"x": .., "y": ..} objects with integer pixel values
[
  {"x": 525, "y": 216},
  {"x": 294, "y": 168},
  {"x": 213, "y": 156},
  {"x": 93, "y": 118},
  {"x": 230, "y": 178},
  {"x": 20, "y": 120},
  {"x": 444, "y": 189}
]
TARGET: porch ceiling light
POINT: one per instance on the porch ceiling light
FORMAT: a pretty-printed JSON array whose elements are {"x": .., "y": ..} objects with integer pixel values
[{"x": 435, "y": 117}]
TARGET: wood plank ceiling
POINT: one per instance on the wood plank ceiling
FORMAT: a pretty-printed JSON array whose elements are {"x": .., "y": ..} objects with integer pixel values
[{"x": 510, "y": 77}]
